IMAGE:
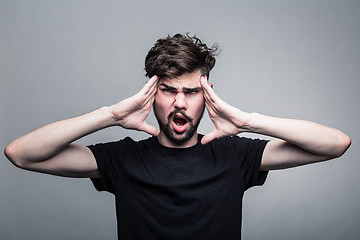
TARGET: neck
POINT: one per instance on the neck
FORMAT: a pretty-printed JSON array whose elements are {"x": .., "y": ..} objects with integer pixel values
[{"x": 165, "y": 141}]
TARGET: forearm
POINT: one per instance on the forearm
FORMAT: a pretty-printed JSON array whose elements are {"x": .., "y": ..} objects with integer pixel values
[
  {"x": 312, "y": 137},
  {"x": 47, "y": 141}
]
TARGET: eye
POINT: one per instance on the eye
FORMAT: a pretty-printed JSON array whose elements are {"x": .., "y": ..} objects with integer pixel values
[
  {"x": 167, "y": 90},
  {"x": 190, "y": 92}
]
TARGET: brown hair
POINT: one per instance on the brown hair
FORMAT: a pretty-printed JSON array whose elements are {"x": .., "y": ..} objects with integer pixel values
[{"x": 171, "y": 57}]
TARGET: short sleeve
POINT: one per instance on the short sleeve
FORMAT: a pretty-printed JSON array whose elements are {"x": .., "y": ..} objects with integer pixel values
[
  {"x": 250, "y": 152},
  {"x": 109, "y": 158}
]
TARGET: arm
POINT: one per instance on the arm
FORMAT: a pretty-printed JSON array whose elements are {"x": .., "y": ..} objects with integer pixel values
[
  {"x": 49, "y": 149},
  {"x": 303, "y": 142},
  {"x": 299, "y": 142}
]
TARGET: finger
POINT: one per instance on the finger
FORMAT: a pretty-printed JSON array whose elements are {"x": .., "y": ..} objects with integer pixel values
[
  {"x": 153, "y": 87},
  {"x": 210, "y": 104},
  {"x": 153, "y": 90},
  {"x": 150, "y": 85},
  {"x": 207, "y": 98},
  {"x": 148, "y": 102},
  {"x": 149, "y": 97},
  {"x": 209, "y": 137},
  {"x": 204, "y": 86},
  {"x": 209, "y": 93},
  {"x": 209, "y": 108}
]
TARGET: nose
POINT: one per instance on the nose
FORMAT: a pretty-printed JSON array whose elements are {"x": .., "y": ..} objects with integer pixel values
[{"x": 180, "y": 101}]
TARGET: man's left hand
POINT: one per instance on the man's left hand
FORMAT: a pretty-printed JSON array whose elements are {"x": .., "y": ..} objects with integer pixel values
[{"x": 227, "y": 119}]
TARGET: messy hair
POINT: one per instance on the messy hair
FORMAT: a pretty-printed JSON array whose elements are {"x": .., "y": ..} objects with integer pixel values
[{"x": 172, "y": 57}]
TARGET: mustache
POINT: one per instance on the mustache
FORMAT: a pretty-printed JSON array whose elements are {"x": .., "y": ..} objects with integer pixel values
[{"x": 189, "y": 119}]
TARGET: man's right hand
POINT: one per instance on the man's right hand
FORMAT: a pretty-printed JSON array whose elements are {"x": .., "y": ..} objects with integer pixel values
[
  {"x": 50, "y": 149},
  {"x": 131, "y": 113}
]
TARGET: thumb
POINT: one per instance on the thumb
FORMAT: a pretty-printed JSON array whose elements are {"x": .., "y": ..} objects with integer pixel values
[
  {"x": 209, "y": 137},
  {"x": 149, "y": 129}
]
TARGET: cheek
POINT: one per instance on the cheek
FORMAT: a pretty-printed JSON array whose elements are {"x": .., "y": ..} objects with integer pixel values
[
  {"x": 159, "y": 100},
  {"x": 199, "y": 100},
  {"x": 163, "y": 100},
  {"x": 198, "y": 105},
  {"x": 161, "y": 106}
]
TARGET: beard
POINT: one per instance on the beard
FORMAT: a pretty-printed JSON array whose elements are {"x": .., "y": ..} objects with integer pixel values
[{"x": 175, "y": 137}]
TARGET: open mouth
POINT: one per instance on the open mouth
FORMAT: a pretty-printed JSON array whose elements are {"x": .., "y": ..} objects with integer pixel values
[{"x": 180, "y": 123}]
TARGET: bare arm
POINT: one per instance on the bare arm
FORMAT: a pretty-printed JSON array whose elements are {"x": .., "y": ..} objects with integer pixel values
[
  {"x": 49, "y": 149},
  {"x": 299, "y": 142}
]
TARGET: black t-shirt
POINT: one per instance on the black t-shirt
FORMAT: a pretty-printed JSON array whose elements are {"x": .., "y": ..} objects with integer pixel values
[{"x": 188, "y": 193}]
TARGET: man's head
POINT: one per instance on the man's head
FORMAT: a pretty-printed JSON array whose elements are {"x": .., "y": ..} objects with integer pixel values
[{"x": 179, "y": 62}]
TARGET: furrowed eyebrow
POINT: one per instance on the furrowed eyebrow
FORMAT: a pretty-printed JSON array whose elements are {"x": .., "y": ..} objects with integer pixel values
[
  {"x": 192, "y": 89},
  {"x": 168, "y": 87},
  {"x": 185, "y": 89}
]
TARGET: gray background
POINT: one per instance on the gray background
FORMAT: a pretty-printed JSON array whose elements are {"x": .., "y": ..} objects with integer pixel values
[{"x": 296, "y": 59}]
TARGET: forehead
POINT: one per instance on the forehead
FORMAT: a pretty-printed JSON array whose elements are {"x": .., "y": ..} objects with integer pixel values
[{"x": 187, "y": 80}]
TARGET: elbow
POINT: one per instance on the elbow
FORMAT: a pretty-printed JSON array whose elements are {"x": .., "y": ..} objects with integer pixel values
[
  {"x": 11, "y": 153},
  {"x": 343, "y": 143},
  {"x": 347, "y": 143}
]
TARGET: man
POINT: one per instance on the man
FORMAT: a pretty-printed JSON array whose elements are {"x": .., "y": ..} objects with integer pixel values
[{"x": 177, "y": 184}]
